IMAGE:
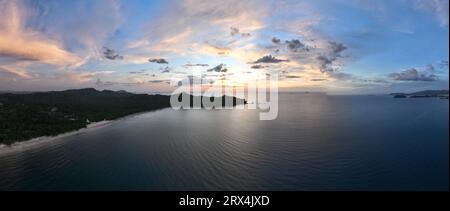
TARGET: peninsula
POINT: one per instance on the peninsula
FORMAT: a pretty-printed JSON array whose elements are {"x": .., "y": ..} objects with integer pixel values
[
  {"x": 25, "y": 116},
  {"x": 443, "y": 94}
]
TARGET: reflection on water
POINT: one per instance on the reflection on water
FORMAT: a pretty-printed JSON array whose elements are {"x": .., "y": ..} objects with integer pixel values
[{"x": 318, "y": 142}]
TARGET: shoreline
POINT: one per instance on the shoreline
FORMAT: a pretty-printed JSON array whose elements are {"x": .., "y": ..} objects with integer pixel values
[
  {"x": 43, "y": 140},
  {"x": 39, "y": 141}
]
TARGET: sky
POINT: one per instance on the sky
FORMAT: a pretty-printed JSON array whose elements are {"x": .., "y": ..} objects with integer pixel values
[{"x": 333, "y": 46}]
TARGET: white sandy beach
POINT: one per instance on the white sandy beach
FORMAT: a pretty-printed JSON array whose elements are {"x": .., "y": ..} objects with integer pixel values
[{"x": 40, "y": 141}]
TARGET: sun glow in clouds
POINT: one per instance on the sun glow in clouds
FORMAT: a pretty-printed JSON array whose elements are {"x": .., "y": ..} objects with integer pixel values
[{"x": 140, "y": 45}]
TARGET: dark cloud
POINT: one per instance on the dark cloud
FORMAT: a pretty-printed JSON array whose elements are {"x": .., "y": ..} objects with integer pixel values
[
  {"x": 195, "y": 65},
  {"x": 337, "y": 48},
  {"x": 111, "y": 54},
  {"x": 137, "y": 72},
  {"x": 319, "y": 79},
  {"x": 112, "y": 83},
  {"x": 269, "y": 59},
  {"x": 276, "y": 40},
  {"x": 258, "y": 66},
  {"x": 234, "y": 31},
  {"x": 296, "y": 46},
  {"x": 293, "y": 76},
  {"x": 165, "y": 70},
  {"x": 219, "y": 68},
  {"x": 325, "y": 63},
  {"x": 443, "y": 64},
  {"x": 157, "y": 81},
  {"x": 413, "y": 75},
  {"x": 159, "y": 61}
]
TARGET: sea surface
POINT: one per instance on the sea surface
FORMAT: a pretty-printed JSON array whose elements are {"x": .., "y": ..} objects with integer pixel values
[{"x": 318, "y": 142}]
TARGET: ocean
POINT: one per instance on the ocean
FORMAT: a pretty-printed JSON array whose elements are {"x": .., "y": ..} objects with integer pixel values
[{"x": 318, "y": 142}]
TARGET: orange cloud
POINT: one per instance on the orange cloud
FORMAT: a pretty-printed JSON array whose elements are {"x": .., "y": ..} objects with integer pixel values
[{"x": 16, "y": 41}]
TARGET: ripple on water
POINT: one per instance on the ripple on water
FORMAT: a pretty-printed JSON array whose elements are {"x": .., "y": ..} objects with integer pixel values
[{"x": 317, "y": 143}]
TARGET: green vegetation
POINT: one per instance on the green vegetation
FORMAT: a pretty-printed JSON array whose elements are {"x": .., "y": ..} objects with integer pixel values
[{"x": 26, "y": 116}]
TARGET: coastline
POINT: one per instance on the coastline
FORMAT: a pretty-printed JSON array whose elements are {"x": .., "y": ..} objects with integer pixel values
[
  {"x": 43, "y": 140},
  {"x": 39, "y": 141}
]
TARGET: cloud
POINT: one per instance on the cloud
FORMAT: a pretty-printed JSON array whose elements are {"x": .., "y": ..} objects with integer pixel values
[
  {"x": 413, "y": 75},
  {"x": 198, "y": 21},
  {"x": 99, "y": 82},
  {"x": 165, "y": 70},
  {"x": 276, "y": 40},
  {"x": 217, "y": 48},
  {"x": 342, "y": 76},
  {"x": 234, "y": 31},
  {"x": 443, "y": 64},
  {"x": 326, "y": 61},
  {"x": 157, "y": 81},
  {"x": 429, "y": 68},
  {"x": 438, "y": 8},
  {"x": 195, "y": 65},
  {"x": 296, "y": 45},
  {"x": 293, "y": 76},
  {"x": 337, "y": 48},
  {"x": 319, "y": 79},
  {"x": 258, "y": 66},
  {"x": 269, "y": 59},
  {"x": 375, "y": 81},
  {"x": 296, "y": 33},
  {"x": 218, "y": 68},
  {"x": 42, "y": 37},
  {"x": 23, "y": 43},
  {"x": 83, "y": 26},
  {"x": 55, "y": 80},
  {"x": 159, "y": 61},
  {"x": 77, "y": 27},
  {"x": 17, "y": 69},
  {"x": 111, "y": 54},
  {"x": 138, "y": 72},
  {"x": 314, "y": 54}
]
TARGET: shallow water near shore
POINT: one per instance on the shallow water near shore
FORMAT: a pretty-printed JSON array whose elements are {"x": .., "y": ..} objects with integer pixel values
[
  {"x": 318, "y": 142},
  {"x": 46, "y": 140}
]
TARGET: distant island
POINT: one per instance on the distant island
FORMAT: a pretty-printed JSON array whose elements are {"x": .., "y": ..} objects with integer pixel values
[
  {"x": 192, "y": 98},
  {"x": 25, "y": 116},
  {"x": 443, "y": 94}
]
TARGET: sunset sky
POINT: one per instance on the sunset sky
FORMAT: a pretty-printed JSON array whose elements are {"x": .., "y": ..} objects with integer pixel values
[{"x": 333, "y": 46}]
